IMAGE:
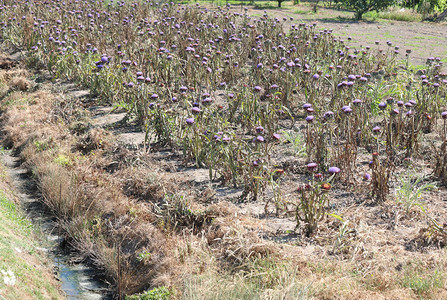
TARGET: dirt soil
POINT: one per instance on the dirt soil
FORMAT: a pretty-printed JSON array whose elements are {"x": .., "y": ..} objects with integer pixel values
[{"x": 425, "y": 39}]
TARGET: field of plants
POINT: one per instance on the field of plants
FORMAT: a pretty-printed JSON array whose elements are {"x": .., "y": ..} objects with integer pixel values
[{"x": 275, "y": 162}]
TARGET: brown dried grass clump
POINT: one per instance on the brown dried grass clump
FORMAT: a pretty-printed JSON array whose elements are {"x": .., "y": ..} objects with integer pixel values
[
  {"x": 94, "y": 139},
  {"x": 20, "y": 83},
  {"x": 143, "y": 185}
]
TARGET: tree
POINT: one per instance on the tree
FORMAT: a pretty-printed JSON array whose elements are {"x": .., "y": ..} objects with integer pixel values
[
  {"x": 360, "y": 7},
  {"x": 442, "y": 16}
]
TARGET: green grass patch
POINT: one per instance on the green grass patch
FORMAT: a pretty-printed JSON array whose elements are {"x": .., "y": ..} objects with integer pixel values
[
  {"x": 423, "y": 284},
  {"x": 23, "y": 270}
]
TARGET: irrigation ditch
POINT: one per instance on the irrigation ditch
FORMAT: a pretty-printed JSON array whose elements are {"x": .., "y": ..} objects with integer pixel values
[{"x": 78, "y": 280}]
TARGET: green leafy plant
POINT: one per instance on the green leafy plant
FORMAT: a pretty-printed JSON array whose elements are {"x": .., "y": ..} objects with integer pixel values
[
  {"x": 160, "y": 293},
  {"x": 296, "y": 140},
  {"x": 411, "y": 191}
]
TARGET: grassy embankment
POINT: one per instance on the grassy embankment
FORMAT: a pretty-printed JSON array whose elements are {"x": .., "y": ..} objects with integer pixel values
[{"x": 25, "y": 272}]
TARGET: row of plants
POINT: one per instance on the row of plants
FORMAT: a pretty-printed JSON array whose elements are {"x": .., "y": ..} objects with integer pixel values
[{"x": 223, "y": 88}]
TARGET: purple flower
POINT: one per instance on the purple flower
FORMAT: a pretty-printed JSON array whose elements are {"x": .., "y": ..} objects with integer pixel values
[
  {"x": 316, "y": 76},
  {"x": 309, "y": 119},
  {"x": 376, "y": 129},
  {"x": 382, "y": 105},
  {"x": 259, "y": 139},
  {"x": 366, "y": 177},
  {"x": 207, "y": 100},
  {"x": 196, "y": 110},
  {"x": 328, "y": 114},
  {"x": 334, "y": 170},
  {"x": 259, "y": 129},
  {"x": 312, "y": 167},
  {"x": 257, "y": 88},
  {"x": 190, "y": 121},
  {"x": 444, "y": 115},
  {"x": 307, "y": 105},
  {"x": 276, "y": 136},
  {"x": 346, "y": 109}
]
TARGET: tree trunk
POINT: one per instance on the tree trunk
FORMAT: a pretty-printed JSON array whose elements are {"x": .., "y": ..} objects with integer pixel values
[
  {"x": 442, "y": 16},
  {"x": 358, "y": 15},
  {"x": 279, "y": 3}
]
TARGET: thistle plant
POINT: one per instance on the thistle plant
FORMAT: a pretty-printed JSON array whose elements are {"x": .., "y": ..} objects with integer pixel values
[
  {"x": 382, "y": 171},
  {"x": 313, "y": 199}
]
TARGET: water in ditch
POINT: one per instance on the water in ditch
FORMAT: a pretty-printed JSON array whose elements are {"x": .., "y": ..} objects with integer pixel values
[{"x": 78, "y": 281}]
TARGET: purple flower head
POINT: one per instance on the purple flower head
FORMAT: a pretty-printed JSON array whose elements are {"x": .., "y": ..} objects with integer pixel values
[
  {"x": 307, "y": 105},
  {"x": 346, "y": 109},
  {"x": 259, "y": 139},
  {"x": 190, "y": 121},
  {"x": 316, "y": 76},
  {"x": 312, "y": 167},
  {"x": 257, "y": 88},
  {"x": 376, "y": 129},
  {"x": 207, "y": 100},
  {"x": 400, "y": 103},
  {"x": 154, "y": 96},
  {"x": 444, "y": 115},
  {"x": 382, "y": 105},
  {"x": 328, "y": 115},
  {"x": 309, "y": 119},
  {"x": 366, "y": 177},
  {"x": 334, "y": 170},
  {"x": 357, "y": 102},
  {"x": 259, "y": 129},
  {"x": 276, "y": 136},
  {"x": 196, "y": 110}
]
